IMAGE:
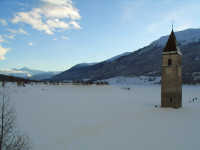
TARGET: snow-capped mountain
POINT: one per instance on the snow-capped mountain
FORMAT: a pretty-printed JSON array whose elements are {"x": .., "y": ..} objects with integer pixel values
[
  {"x": 29, "y": 71},
  {"x": 45, "y": 75},
  {"x": 108, "y": 60},
  {"x": 15, "y": 73},
  {"x": 144, "y": 62},
  {"x": 118, "y": 56},
  {"x": 183, "y": 37},
  {"x": 83, "y": 65},
  {"x": 22, "y": 72},
  {"x": 26, "y": 72}
]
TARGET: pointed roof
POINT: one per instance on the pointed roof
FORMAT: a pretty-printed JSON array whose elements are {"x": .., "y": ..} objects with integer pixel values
[{"x": 171, "y": 43}]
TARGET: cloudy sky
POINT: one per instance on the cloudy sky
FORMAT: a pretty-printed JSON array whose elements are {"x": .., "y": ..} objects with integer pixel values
[{"x": 57, "y": 34}]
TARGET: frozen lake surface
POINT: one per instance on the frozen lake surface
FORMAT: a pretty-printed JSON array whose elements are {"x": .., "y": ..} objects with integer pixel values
[{"x": 71, "y": 117}]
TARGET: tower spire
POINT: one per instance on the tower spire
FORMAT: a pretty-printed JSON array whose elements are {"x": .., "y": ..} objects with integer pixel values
[{"x": 171, "y": 43}]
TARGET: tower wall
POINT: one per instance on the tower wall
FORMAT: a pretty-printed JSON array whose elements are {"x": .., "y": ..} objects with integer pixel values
[{"x": 171, "y": 91}]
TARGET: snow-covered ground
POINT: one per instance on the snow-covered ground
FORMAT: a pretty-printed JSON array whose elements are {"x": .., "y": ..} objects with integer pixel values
[{"x": 71, "y": 117}]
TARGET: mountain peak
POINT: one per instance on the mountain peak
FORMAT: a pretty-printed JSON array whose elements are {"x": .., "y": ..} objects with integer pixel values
[
  {"x": 183, "y": 37},
  {"x": 138, "y": 63}
]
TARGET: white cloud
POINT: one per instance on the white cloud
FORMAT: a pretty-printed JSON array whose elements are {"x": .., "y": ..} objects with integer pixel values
[
  {"x": 56, "y": 23},
  {"x": 64, "y": 38},
  {"x": 52, "y": 15},
  {"x": 57, "y": 11},
  {"x": 55, "y": 39},
  {"x": 30, "y": 44},
  {"x": 19, "y": 31},
  {"x": 32, "y": 18},
  {"x": 3, "y": 52},
  {"x": 57, "y": 2},
  {"x": 75, "y": 25},
  {"x": 3, "y": 22}
]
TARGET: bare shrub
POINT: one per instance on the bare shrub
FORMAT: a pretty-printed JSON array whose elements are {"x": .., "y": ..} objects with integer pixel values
[{"x": 10, "y": 136}]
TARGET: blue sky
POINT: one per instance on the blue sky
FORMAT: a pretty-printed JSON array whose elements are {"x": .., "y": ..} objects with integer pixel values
[{"x": 57, "y": 34}]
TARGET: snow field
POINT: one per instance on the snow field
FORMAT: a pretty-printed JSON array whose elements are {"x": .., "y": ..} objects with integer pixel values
[{"x": 106, "y": 117}]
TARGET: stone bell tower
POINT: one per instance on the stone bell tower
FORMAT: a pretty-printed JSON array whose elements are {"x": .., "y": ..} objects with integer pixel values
[{"x": 171, "y": 90}]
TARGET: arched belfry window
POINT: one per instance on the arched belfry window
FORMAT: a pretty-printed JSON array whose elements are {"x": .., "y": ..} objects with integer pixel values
[{"x": 169, "y": 62}]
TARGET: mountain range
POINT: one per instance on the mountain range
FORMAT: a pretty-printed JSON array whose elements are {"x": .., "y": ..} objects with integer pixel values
[
  {"x": 145, "y": 61},
  {"x": 28, "y": 73}
]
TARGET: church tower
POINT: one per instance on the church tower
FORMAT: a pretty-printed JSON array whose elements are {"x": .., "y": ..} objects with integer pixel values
[{"x": 171, "y": 90}]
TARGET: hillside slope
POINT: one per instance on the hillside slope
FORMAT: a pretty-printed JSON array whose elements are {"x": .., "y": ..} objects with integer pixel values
[{"x": 145, "y": 61}]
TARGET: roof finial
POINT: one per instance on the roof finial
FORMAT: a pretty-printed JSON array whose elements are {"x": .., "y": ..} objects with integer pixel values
[{"x": 172, "y": 25}]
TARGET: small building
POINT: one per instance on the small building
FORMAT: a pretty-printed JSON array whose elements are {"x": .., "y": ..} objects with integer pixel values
[{"x": 171, "y": 90}]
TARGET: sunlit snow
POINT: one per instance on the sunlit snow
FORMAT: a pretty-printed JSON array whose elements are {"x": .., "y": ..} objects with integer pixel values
[{"x": 69, "y": 117}]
